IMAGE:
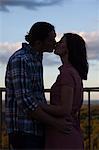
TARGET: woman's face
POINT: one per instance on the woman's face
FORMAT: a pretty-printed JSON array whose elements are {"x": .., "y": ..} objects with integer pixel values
[{"x": 61, "y": 47}]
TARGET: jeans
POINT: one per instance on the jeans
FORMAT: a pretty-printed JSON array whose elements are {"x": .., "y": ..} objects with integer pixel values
[{"x": 24, "y": 141}]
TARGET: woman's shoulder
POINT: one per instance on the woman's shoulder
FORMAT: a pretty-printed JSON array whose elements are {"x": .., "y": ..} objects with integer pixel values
[{"x": 68, "y": 71}]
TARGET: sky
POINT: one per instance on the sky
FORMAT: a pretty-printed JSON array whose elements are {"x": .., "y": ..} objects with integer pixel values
[{"x": 79, "y": 16}]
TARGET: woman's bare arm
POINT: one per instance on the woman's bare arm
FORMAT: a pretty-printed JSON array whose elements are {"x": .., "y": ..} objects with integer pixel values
[{"x": 65, "y": 106}]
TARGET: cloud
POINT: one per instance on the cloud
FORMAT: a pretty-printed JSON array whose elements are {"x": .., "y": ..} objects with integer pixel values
[
  {"x": 6, "y": 49},
  {"x": 92, "y": 42},
  {"x": 50, "y": 59},
  {"x": 28, "y": 4}
]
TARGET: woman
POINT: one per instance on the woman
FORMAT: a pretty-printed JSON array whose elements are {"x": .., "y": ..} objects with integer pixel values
[{"x": 66, "y": 93}]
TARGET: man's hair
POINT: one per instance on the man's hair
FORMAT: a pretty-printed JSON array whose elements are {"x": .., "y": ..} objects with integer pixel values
[{"x": 39, "y": 31}]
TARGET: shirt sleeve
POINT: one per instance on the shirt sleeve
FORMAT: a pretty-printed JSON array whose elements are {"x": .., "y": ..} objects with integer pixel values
[{"x": 22, "y": 84}]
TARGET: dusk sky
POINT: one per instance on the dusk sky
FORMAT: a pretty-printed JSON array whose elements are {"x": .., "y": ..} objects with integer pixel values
[{"x": 79, "y": 16}]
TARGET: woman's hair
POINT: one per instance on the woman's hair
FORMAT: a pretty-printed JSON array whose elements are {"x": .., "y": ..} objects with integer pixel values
[
  {"x": 77, "y": 53},
  {"x": 39, "y": 31}
]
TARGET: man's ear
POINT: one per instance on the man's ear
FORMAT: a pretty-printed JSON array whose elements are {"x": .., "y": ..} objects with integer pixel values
[{"x": 38, "y": 45}]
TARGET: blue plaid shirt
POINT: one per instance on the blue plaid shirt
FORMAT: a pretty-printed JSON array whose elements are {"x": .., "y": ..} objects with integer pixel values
[{"x": 24, "y": 90}]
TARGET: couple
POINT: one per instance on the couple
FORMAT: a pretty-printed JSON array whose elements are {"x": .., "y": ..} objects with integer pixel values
[{"x": 31, "y": 122}]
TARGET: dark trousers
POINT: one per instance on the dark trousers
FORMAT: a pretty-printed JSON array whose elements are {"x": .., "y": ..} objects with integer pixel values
[{"x": 23, "y": 141}]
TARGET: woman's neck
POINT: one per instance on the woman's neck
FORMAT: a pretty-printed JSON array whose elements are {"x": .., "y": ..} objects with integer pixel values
[{"x": 64, "y": 59}]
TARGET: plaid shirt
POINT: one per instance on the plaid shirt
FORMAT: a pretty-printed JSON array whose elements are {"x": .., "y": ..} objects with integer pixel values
[{"x": 24, "y": 90}]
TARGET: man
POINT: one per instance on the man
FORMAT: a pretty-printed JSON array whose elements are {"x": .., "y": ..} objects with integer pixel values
[{"x": 24, "y": 90}]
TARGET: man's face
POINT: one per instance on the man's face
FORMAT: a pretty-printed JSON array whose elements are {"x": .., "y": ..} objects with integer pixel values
[{"x": 49, "y": 43}]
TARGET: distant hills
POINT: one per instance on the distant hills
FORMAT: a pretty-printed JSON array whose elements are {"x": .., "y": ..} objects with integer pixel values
[{"x": 93, "y": 102}]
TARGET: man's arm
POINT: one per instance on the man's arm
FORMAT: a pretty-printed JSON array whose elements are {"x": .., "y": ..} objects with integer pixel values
[{"x": 22, "y": 83}]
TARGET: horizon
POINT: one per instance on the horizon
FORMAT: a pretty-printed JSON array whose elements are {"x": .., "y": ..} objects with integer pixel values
[{"x": 47, "y": 96}]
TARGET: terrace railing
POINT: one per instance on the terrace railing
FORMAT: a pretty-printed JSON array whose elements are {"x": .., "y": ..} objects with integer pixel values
[{"x": 88, "y": 90}]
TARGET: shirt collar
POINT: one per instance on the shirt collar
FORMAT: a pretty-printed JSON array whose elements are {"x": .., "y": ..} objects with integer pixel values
[{"x": 36, "y": 55}]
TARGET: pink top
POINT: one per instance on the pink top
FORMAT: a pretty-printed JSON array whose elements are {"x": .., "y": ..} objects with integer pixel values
[
  {"x": 57, "y": 140},
  {"x": 68, "y": 76}
]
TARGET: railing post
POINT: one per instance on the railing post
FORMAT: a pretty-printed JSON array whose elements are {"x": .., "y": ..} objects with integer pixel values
[
  {"x": 89, "y": 120},
  {"x": 0, "y": 119}
]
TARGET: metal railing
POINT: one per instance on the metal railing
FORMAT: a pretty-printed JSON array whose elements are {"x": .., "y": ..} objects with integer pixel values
[
  {"x": 1, "y": 91},
  {"x": 88, "y": 90}
]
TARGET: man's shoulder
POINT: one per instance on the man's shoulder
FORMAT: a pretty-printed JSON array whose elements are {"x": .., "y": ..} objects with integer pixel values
[{"x": 18, "y": 54}]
